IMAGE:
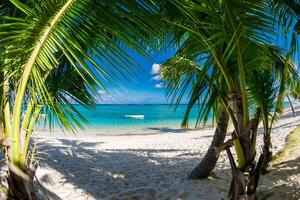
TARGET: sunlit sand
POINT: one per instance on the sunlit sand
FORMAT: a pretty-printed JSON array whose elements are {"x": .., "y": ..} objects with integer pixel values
[{"x": 146, "y": 166}]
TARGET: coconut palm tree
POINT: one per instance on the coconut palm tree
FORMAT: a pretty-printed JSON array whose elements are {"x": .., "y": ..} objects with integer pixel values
[
  {"x": 182, "y": 75},
  {"x": 231, "y": 36},
  {"x": 267, "y": 92},
  {"x": 62, "y": 85},
  {"x": 43, "y": 42}
]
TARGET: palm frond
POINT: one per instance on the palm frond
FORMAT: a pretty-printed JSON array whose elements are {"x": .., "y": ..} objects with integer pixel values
[
  {"x": 90, "y": 34},
  {"x": 185, "y": 78}
]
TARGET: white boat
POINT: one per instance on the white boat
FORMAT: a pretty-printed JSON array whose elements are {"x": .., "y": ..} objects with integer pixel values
[{"x": 135, "y": 116}]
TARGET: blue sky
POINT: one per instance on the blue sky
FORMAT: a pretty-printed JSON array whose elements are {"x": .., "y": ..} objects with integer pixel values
[{"x": 147, "y": 88}]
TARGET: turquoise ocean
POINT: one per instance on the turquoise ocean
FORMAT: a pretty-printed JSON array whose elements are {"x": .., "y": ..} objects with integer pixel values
[
  {"x": 110, "y": 119},
  {"x": 111, "y": 116}
]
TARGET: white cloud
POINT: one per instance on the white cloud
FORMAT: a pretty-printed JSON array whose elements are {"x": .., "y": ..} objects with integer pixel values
[
  {"x": 157, "y": 78},
  {"x": 159, "y": 85},
  {"x": 104, "y": 97},
  {"x": 155, "y": 68}
]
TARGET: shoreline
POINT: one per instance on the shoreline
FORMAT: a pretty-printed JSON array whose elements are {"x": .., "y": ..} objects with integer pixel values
[
  {"x": 125, "y": 131},
  {"x": 140, "y": 166}
]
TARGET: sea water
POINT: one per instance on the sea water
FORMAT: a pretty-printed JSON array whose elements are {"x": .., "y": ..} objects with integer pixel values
[
  {"x": 110, "y": 119},
  {"x": 154, "y": 115}
]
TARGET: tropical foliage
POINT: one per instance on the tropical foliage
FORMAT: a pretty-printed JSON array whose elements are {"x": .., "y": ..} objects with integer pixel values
[
  {"x": 54, "y": 51},
  {"x": 228, "y": 62},
  {"x": 57, "y": 51}
]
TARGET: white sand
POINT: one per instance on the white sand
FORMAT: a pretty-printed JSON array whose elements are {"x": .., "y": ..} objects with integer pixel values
[{"x": 147, "y": 166}]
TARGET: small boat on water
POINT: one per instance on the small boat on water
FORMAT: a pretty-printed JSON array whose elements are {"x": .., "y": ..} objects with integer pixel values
[{"x": 135, "y": 116}]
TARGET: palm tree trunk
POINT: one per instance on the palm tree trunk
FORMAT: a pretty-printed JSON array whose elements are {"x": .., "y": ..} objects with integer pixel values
[
  {"x": 207, "y": 164},
  {"x": 21, "y": 183},
  {"x": 244, "y": 182},
  {"x": 266, "y": 149},
  {"x": 244, "y": 177},
  {"x": 267, "y": 156},
  {"x": 291, "y": 105}
]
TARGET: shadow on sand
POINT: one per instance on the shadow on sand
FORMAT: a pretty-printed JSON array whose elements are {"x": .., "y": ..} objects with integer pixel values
[
  {"x": 175, "y": 130},
  {"x": 290, "y": 113},
  {"x": 168, "y": 129},
  {"x": 103, "y": 172},
  {"x": 283, "y": 181}
]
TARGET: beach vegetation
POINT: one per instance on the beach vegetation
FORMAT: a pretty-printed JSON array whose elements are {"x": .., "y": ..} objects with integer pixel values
[
  {"x": 184, "y": 76},
  {"x": 232, "y": 41},
  {"x": 54, "y": 52},
  {"x": 292, "y": 144}
]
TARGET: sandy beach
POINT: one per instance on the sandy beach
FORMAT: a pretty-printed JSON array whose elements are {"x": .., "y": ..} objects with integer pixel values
[{"x": 151, "y": 166}]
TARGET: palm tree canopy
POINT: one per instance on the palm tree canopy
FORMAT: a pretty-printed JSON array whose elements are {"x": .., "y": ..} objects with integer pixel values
[
  {"x": 38, "y": 36},
  {"x": 222, "y": 36}
]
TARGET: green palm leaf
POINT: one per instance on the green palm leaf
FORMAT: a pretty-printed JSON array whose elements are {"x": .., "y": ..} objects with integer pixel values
[{"x": 41, "y": 32}]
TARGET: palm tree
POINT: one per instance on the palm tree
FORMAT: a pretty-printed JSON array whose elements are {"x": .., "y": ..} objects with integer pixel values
[
  {"x": 267, "y": 91},
  {"x": 62, "y": 84},
  {"x": 43, "y": 42},
  {"x": 182, "y": 75},
  {"x": 231, "y": 37}
]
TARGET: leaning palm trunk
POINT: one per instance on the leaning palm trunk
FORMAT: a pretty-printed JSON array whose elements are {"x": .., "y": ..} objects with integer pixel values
[
  {"x": 207, "y": 164},
  {"x": 291, "y": 105}
]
